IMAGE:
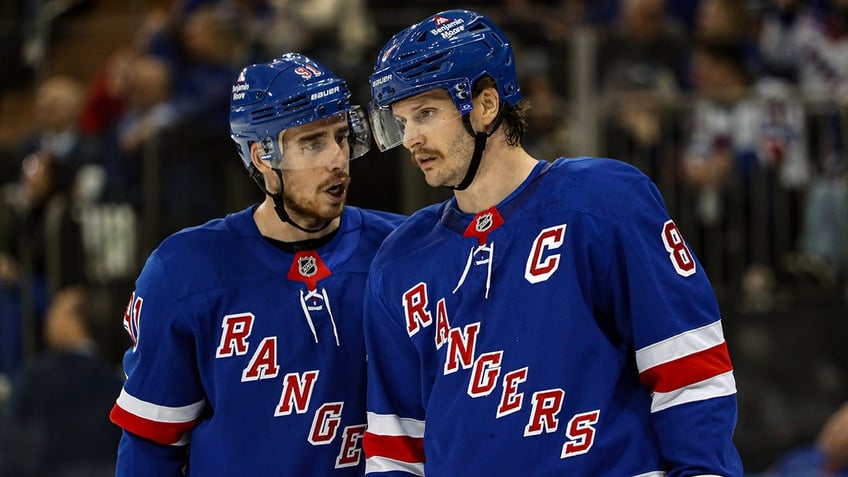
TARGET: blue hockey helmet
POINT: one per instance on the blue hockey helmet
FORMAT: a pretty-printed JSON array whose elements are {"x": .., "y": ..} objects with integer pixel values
[
  {"x": 451, "y": 50},
  {"x": 291, "y": 90}
]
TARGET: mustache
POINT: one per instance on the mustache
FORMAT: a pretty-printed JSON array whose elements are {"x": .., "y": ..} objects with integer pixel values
[
  {"x": 423, "y": 152},
  {"x": 336, "y": 177}
]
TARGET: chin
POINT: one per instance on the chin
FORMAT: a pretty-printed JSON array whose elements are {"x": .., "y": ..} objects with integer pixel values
[
  {"x": 433, "y": 181},
  {"x": 332, "y": 212}
]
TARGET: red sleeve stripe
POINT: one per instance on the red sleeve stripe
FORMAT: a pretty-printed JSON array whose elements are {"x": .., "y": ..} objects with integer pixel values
[
  {"x": 687, "y": 370},
  {"x": 163, "y": 424},
  {"x": 161, "y": 432},
  {"x": 399, "y": 448}
]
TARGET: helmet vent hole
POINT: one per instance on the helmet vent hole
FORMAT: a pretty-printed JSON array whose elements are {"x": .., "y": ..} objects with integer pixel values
[
  {"x": 262, "y": 113},
  {"x": 295, "y": 103}
]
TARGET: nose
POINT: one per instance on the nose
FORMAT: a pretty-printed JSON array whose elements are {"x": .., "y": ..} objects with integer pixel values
[
  {"x": 340, "y": 156},
  {"x": 412, "y": 137}
]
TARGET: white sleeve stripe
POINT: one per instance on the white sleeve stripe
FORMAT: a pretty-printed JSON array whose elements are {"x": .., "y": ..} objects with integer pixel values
[
  {"x": 157, "y": 413},
  {"x": 677, "y": 346},
  {"x": 392, "y": 425},
  {"x": 383, "y": 464},
  {"x": 717, "y": 386}
]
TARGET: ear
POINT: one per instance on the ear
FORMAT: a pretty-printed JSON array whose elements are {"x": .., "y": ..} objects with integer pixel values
[
  {"x": 256, "y": 155},
  {"x": 487, "y": 105}
]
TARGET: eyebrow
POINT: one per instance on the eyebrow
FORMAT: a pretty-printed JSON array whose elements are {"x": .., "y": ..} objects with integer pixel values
[
  {"x": 321, "y": 134},
  {"x": 425, "y": 99},
  {"x": 311, "y": 136}
]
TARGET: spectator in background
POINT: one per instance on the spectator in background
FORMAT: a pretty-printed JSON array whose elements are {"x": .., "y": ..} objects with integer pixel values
[
  {"x": 56, "y": 118},
  {"x": 41, "y": 251},
  {"x": 729, "y": 22},
  {"x": 826, "y": 457},
  {"x": 746, "y": 140},
  {"x": 642, "y": 63},
  {"x": 56, "y": 422},
  {"x": 266, "y": 27},
  {"x": 717, "y": 135},
  {"x": 643, "y": 47},
  {"x": 149, "y": 109},
  {"x": 811, "y": 45},
  {"x": 163, "y": 99},
  {"x": 149, "y": 106},
  {"x": 833, "y": 440},
  {"x": 203, "y": 48},
  {"x": 721, "y": 151},
  {"x": 106, "y": 97},
  {"x": 777, "y": 27},
  {"x": 208, "y": 54},
  {"x": 547, "y": 135}
]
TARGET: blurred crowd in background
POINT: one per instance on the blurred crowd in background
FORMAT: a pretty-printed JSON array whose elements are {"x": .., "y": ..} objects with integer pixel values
[{"x": 736, "y": 109}]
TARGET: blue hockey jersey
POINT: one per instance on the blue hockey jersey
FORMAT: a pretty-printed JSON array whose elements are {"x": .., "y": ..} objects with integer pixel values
[
  {"x": 567, "y": 331},
  {"x": 248, "y": 358}
]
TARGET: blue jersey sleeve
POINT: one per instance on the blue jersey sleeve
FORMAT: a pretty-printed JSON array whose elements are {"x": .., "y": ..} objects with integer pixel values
[
  {"x": 665, "y": 306},
  {"x": 162, "y": 396},
  {"x": 394, "y": 440},
  {"x": 139, "y": 457}
]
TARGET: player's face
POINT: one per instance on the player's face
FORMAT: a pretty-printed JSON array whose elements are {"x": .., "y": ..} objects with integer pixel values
[
  {"x": 315, "y": 167},
  {"x": 435, "y": 136}
]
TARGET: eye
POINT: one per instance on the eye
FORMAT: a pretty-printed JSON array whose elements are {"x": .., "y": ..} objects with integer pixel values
[
  {"x": 425, "y": 114},
  {"x": 313, "y": 146},
  {"x": 343, "y": 138}
]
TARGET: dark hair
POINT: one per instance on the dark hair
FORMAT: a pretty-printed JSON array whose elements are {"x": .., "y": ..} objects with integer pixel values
[
  {"x": 515, "y": 117},
  {"x": 725, "y": 52}
]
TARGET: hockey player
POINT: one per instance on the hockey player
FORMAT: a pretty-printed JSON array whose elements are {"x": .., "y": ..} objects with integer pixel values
[
  {"x": 247, "y": 352},
  {"x": 548, "y": 319}
]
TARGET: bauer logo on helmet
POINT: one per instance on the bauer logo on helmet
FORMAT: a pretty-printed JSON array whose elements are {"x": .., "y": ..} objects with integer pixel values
[{"x": 324, "y": 94}]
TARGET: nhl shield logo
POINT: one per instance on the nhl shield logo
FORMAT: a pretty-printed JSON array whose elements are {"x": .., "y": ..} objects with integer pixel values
[
  {"x": 307, "y": 266},
  {"x": 484, "y": 222}
]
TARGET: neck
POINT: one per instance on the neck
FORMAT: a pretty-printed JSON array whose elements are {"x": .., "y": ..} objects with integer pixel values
[
  {"x": 271, "y": 226},
  {"x": 502, "y": 169}
]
